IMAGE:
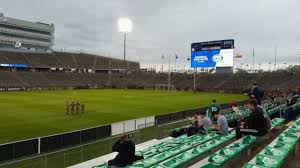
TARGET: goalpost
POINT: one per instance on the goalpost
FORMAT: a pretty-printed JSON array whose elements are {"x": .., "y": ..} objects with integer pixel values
[{"x": 165, "y": 87}]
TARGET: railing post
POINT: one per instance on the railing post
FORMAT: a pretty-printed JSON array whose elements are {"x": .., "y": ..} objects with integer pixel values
[
  {"x": 39, "y": 145},
  {"x": 81, "y": 154},
  {"x": 123, "y": 127},
  {"x": 46, "y": 164},
  {"x": 64, "y": 159}
]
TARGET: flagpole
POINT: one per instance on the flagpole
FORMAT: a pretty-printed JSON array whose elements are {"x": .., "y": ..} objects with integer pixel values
[
  {"x": 253, "y": 69},
  {"x": 195, "y": 71},
  {"x": 162, "y": 63},
  {"x": 175, "y": 62},
  {"x": 169, "y": 76},
  {"x": 275, "y": 55}
]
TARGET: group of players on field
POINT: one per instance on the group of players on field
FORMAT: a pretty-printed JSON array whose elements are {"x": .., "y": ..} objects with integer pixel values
[{"x": 74, "y": 108}]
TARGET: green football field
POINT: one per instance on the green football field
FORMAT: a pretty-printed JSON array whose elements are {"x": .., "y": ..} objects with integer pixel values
[{"x": 26, "y": 115}]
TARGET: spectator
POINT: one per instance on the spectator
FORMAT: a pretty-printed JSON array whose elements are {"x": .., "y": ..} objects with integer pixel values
[
  {"x": 289, "y": 112},
  {"x": 222, "y": 125},
  {"x": 278, "y": 100},
  {"x": 292, "y": 99},
  {"x": 194, "y": 128},
  {"x": 196, "y": 118},
  {"x": 257, "y": 124},
  {"x": 177, "y": 132},
  {"x": 126, "y": 153},
  {"x": 256, "y": 93},
  {"x": 205, "y": 122},
  {"x": 191, "y": 130},
  {"x": 213, "y": 107},
  {"x": 237, "y": 113}
]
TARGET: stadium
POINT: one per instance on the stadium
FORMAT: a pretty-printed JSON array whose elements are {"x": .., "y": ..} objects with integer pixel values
[{"x": 71, "y": 109}]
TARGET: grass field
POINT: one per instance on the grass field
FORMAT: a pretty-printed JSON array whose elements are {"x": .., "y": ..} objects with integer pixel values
[{"x": 25, "y": 115}]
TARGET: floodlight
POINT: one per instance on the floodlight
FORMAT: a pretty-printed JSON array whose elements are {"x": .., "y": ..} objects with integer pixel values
[{"x": 125, "y": 25}]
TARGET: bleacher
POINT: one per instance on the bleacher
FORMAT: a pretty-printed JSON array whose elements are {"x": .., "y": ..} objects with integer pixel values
[
  {"x": 211, "y": 150},
  {"x": 66, "y": 60},
  {"x": 224, "y": 155},
  {"x": 179, "y": 151},
  {"x": 45, "y": 62},
  {"x": 278, "y": 150}
]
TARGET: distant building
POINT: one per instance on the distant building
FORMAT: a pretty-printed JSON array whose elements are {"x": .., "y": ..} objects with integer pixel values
[{"x": 21, "y": 35}]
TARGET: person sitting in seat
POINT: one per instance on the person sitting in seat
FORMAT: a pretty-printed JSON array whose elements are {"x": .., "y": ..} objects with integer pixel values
[
  {"x": 257, "y": 124},
  {"x": 195, "y": 126},
  {"x": 205, "y": 122},
  {"x": 237, "y": 113},
  {"x": 126, "y": 153},
  {"x": 222, "y": 125}
]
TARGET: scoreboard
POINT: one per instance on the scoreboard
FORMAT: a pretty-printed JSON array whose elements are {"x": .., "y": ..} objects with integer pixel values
[{"x": 212, "y": 54}]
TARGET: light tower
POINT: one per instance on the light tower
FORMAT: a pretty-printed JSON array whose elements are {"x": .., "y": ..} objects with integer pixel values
[{"x": 125, "y": 26}]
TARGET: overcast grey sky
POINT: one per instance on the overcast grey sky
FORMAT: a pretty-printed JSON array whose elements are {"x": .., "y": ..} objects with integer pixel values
[{"x": 168, "y": 26}]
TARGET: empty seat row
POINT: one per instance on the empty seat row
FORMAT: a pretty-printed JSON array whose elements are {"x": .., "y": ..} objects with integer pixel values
[{"x": 184, "y": 157}]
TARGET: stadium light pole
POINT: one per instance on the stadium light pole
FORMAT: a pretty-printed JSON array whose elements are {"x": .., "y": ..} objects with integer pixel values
[
  {"x": 284, "y": 64},
  {"x": 125, "y": 26},
  {"x": 253, "y": 69},
  {"x": 275, "y": 55},
  {"x": 169, "y": 74}
]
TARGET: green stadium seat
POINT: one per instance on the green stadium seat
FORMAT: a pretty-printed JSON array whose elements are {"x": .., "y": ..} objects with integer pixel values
[
  {"x": 248, "y": 165},
  {"x": 188, "y": 155},
  {"x": 277, "y": 121},
  {"x": 224, "y": 155},
  {"x": 274, "y": 154},
  {"x": 102, "y": 166},
  {"x": 174, "y": 155},
  {"x": 266, "y": 161},
  {"x": 178, "y": 151},
  {"x": 218, "y": 159}
]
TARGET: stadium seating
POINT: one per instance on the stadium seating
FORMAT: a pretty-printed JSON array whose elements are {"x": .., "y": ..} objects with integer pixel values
[
  {"x": 51, "y": 79},
  {"x": 184, "y": 157},
  {"x": 235, "y": 83},
  {"x": 65, "y": 60},
  {"x": 41, "y": 62},
  {"x": 161, "y": 152},
  {"x": 178, "y": 151},
  {"x": 275, "y": 153},
  {"x": 225, "y": 154},
  {"x": 234, "y": 149}
]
